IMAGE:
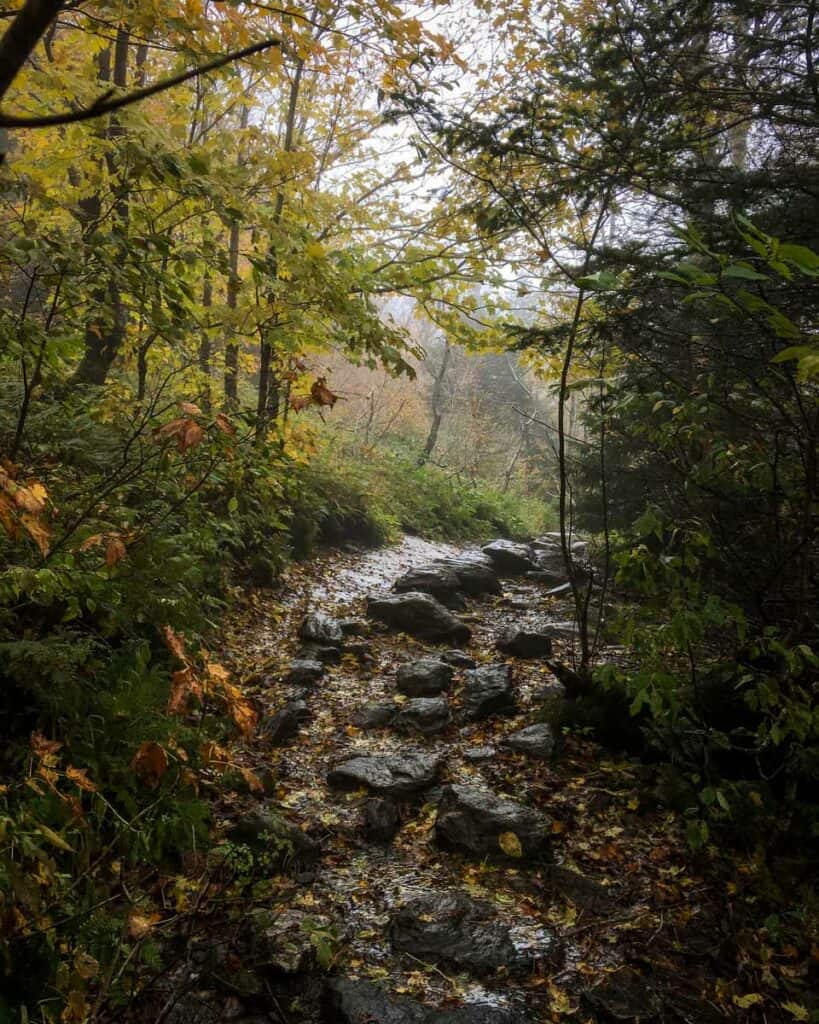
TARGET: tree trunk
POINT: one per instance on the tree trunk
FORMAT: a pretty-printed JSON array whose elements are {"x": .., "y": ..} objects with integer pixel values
[
  {"x": 232, "y": 298},
  {"x": 205, "y": 345},
  {"x": 437, "y": 411}
]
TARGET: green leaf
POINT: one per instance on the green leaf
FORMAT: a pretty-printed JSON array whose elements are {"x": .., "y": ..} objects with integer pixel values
[{"x": 742, "y": 270}]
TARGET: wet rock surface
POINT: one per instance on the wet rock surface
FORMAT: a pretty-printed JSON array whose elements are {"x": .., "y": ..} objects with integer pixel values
[
  {"x": 426, "y": 715},
  {"x": 302, "y": 672},
  {"x": 390, "y": 774},
  {"x": 535, "y": 740},
  {"x": 419, "y": 615},
  {"x": 525, "y": 643},
  {"x": 509, "y": 557},
  {"x": 438, "y": 580},
  {"x": 424, "y": 678},
  {"x": 488, "y": 691},
  {"x": 362, "y": 1002},
  {"x": 474, "y": 820}
]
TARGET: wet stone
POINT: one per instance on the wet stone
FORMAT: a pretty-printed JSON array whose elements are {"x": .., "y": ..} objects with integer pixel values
[
  {"x": 472, "y": 819},
  {"x": 424, "y": 678},
  {"x": 547, "y": 577},
  {"x": 561, "y": 630},
  {"x": 475, "y": 755},
  {"x": 624, "y": 995},
  {"x": 510, "y": 557},
  {"x": 387, "y": 774},
  {"x": 304, "y": 673},
  {"x": 327, "y": 654},
  {"x": 488, "y": 691},
  {"x": 450, "y": 928},
  {"x": 268, "y": 832},
  {"x": 418, "y": 614},
  {"x": 525, "y": 643},
  {"x": 319, "y": 628},
  {"x": 281, "y": 941},
  {"x": 427, "y": 715},
  {"x": 376, "y": 715},
  {"x": 282, "y": 726},
  {"x": 350, "y": 1001},
  {"x": 438, "y": 580},
  {"x": 380, "y": 820},
  {"x": 354, "y": 627},
  {"x": 535, "y": 740},
  {"x": 475, "y": 572},
  {"x": 457, "y": 659}
]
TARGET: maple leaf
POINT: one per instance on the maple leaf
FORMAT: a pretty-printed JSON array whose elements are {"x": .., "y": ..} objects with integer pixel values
[
  {"x": 174, "y": 643},
  {"x": 150, "y": 763},
  {"x": 115, "y": 551},
  {"x": 223, "y": 423},
  {"x": 80, "y": 778},
  {"x": 322, "y": 395},
  {"x": 298, "y": 403}
]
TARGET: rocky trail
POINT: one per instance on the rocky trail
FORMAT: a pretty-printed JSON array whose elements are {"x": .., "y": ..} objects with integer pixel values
[{"x": 428, "y": 845}]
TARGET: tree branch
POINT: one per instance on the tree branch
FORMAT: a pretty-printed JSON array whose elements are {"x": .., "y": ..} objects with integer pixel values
[{"x": 105, "y": 103}]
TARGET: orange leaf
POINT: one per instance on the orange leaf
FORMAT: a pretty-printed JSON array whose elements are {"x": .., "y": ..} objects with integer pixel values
[
  {"x": 115, "y": 551},
  {"x": 140, "y": 923},
  {"x": 322, "y": 395},
  {"x": 38, "y": 531},
  {"x": 224, "y": 424},
  {"x": 298, "y": 403},
  {"x": 171, "y": 429},
  {"x": 174, "y": 643},
  {"x": 150, "y": 763},
  {"x": 218, "y": 673},
  {"x": 253, "y": 782},
  {"x": 212, "y": 753},
  {"x": 191, "y": 436},
  {"x": 42, "y": 747},
  {"x": 190, "y": 409},
  {"x": 92, "y": 541},
  {"x": 79, "y": 776},
  {"x": 184, "y": 684},
  {"x": 8, "y": 518}
]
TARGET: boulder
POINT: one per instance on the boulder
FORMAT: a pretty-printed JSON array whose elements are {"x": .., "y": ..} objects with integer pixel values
[
  {"x": 268, "y": 832},
  {"x": 450, "y": 928},
  {"x": 427, "y": 715},
  {"x": 327, "y": 654},
  {"x": 438, "y": 580},
  {"x": 375, "y": 715},
  {"x": 350, "y": 1001},
  {"x": 509, "y": 557},
  {"x": 386, "y": 774},
  {"x": 302, "y": 672},
  {"x": 380, "y": 820},
  {"x": 535, "y": 740},
  {"x": 525, "y": 643},
  {"x": 475, "y": 572},
  {"x": 279, "y": 728},
  {"x": 457, "y": 659},
  {"x": 546, "y": 577},
  {"x": 418, "y": 614},
  {"x": 354, "y": 627},
  {"x": 319, "y": 628},
  {"x": 488, "y": 691},
  {"x": 423, "y": 678},
  {"x": 475, "y": 821}
]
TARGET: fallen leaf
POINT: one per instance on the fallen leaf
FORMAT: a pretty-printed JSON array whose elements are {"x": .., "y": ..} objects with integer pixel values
[
  {"x": 510, "y": 844},
  {"x": 150, "y": 763},
  {"x": 140, "y": 923},
  {"x": 78, "y": 777}
]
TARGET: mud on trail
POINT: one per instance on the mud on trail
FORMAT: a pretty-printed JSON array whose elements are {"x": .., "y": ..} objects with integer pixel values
[{"x": 598, "y": 918}]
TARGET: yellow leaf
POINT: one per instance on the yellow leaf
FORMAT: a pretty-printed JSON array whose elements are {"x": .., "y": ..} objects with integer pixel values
[
  {"x": 79, "y": 776},
  {"x": 751, "y": 999},
  {"x": 510, "y": 844},
  {"x": 54, "y": 838},
  {"x": 140, "y": 923},
  {"x": 796, "y": 1011}
]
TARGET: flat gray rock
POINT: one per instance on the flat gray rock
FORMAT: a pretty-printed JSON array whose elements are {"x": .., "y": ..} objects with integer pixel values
[
  {"x": 535, "y": 740},
  {"x": 304, "y": 672},
  {"x": 510, "y": 557},
  {"x": 426, "y": 677},
  {"x": 475, "y": 572},
  {"x": 438, "y": 580},
  {"x": 350, "y": 1001},
  {"x": 319, "y": 628},
  {"x": 375, "y": 715},
  {"x": 418, "y": 614},
  {"x": 427, "y": 715},
  {"x": 472, "y": 820},
  {"x": 488, "y": 691},
  {"x": 386, "y": 774},
  {"x": 525, "y": 643}
]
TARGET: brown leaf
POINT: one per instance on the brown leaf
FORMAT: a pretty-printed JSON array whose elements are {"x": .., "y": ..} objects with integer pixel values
[
  {"x": 322, "y": 395},
  {"x": 8, "y": 517},
  {"x": 171, "y": 429},
  {"x": 174, "y": 643},
  {"x": 150, "y": 763},
  {"x": 115, "y": 551},
  {"x": 190, "y": 409},
  {"x": 37, "y": 530},
  {"x": 191, "y": 436},
  {"x": 224, "y": 424},
  {"x": 92, "y": 541},
  {"x": 140, "y": 923},
  {"x": 298, "y": 403},
  {"x": 253, "y": 782},
  {"x": 80, "y": 778},
  {"x": 184, "y": 684},
  {"x": 43, "y": 747}
]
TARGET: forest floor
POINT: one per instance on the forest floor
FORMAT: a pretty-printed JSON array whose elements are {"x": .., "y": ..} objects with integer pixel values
[{"x": 619, "y": 926}]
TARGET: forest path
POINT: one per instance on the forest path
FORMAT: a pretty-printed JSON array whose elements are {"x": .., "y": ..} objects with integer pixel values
[{"x": 602, "y": 929}]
